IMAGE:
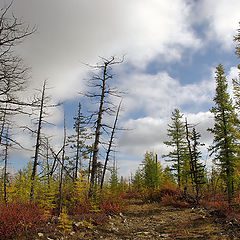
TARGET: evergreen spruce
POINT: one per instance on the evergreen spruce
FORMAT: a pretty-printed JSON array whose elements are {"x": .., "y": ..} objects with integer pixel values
[
  {"x": 224, "y": 131},
  {"x": 151, "y": 171},
  {"x": 196, "y": 167},
  {"x": 77, "y": 141},
  {"x": 176, "y": 132}
]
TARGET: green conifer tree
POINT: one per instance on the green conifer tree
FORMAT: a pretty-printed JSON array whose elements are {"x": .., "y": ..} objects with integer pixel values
[
  {"x": 77, "y": 142},
  {"x": 114, "y": 182},
  {"x": 176, "y": 133},
  {"x": 138, "y": 180},
  {"x": 224, "y": 131},
  {"x": 197, "y": 169},
  {"x": 151, "y": 171},
  {"x": 236, "y": 82}
]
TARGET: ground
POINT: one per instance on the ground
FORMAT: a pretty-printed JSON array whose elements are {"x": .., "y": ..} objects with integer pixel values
[{"x": 142, "y": 220}]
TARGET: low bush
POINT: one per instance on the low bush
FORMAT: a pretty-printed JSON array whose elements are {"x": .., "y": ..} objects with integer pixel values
[
  {"x": 17, "y": 218},
  {"x": 171, "y": 190},
  {"x": 151, "y": 195},
  {"x": 174, "y": 200},
  {"x": 130, "y": 195},
  {"x": 162, "y": 194},
  {"x": 111, "y": 206},
  {"x": 80, "y": 208}
]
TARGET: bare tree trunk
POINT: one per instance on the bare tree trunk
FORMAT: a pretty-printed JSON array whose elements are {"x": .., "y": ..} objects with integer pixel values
[
  {"x": 5, "y": 168},
  {"x": 110, "y": 144},
  {"x": 62, "y": 168},
  {"x": 54, "y": 165},
  {"x": 35, "y": 162},
  {"x": 193, "y": 177},
  {"x": 3, "y": 125},
  {"x": 89, "y": 165},
  {"x": 100, "y": 81},
  {"x": 47, "y": 162},
  {"x": 97, "y": 133},
  {"x": 78, "y": 145}
]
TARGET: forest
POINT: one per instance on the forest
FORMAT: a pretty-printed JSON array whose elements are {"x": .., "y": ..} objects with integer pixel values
[{"x": 68, "y": 190}]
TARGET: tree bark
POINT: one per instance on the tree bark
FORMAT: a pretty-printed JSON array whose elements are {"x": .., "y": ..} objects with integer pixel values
[
  {"x": 110, "y": 144},
  {"x": 35, "y": 162}
]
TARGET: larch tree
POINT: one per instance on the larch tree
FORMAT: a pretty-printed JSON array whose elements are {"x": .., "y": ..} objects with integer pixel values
[
  {"x": 236, "y": 88},
  {"x": 176, "y": 133},
  {"x": 152, "y": 171},
  {"x": 224, "y": 145},
  {"x": 113, "y": 181},
  {"x": 236, "y": 81},
  {"x": 77, "y": 141}
]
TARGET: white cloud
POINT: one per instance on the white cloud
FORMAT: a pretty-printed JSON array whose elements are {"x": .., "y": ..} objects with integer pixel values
[
  {"x": 222, "y": 18},
  {"x": 157, "y": 95},
  {"x": 71, "y": 32}
]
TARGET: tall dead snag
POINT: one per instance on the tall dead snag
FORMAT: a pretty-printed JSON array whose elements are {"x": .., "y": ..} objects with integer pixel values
[
  {"x": 101, "y": 83},
  {"x": 37, "y": 146},
  {"x": 62, "y": 169},
  {"x": 110, "y": 144},
  {"x": 5, "y": 166},
  {"x": 43, "y": 101},
  {"x": 13, "y": 74}
]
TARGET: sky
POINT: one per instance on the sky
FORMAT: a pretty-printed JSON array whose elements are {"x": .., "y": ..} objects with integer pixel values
[{"x": 171, "y": 50}]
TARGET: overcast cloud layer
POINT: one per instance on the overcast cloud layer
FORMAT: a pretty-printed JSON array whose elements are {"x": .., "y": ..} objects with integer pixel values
[{"x": 74, "y": 32}]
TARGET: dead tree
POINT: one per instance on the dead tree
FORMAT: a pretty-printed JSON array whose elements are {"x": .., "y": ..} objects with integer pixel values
[
  {"x": 110, "y": 144},
  {"x": 13, "y": 73},
  {"x": 5, "y": 166},
  {"x": 101, "y": 83},
  {"x": 43, "y": 105},
  {"x": 37, "y": 146},
  {"x": 62, "y": 169}
]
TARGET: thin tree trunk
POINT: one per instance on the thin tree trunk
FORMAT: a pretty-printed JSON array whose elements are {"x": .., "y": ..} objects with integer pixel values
[
  {"x": 5, "y": 168},
  {"x": 78, "y": 146},
  {"x": 110, "y": 144},
  {"x": 62, "y": 168},
  {"x": 37, "y": 147},
  {"x": 3, "y": 125},
  {"x": 89, "y": 165},
  {"x": 97, "y": 133},
  {"x": 55, "y": 160}
]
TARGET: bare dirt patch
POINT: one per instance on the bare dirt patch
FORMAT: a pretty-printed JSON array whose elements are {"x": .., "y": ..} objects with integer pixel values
[{"x": 155, "y": 221}]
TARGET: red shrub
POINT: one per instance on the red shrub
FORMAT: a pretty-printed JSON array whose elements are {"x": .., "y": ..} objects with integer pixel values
[
  {"x": 173, "y": 200},
  {"x": 110, "y": 206},
  {"x": 16, "y": 218},
  {"x": 171, "y": 190},
  {"x": 217, "y": 205},
  {"x": 80, "y": 208},
  {"x": 130, "y": 195}
]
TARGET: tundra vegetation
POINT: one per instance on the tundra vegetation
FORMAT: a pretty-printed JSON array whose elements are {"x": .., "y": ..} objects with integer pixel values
[{"x": 63, "y": 186}]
